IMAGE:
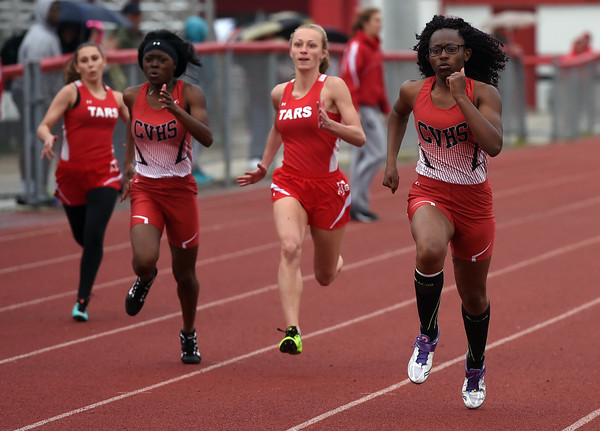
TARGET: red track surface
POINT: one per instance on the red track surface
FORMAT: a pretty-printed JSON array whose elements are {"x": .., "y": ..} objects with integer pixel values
[{"x": 119, "y": 372}]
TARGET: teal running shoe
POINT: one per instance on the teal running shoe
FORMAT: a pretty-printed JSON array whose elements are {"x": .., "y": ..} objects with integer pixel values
[{"x": 79, "y": 312}]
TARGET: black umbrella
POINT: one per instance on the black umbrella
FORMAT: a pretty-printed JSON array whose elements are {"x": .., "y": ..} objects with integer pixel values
[
  {"x": 82, "y": 12},
  {"x": 336, "y": 36},
  {"x": 277, "y": 25}
]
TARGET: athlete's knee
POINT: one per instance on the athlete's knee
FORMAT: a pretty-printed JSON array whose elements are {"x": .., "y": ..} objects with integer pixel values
[
  {"x": 431, "y": 255},
  {"x": 325, "y": 276},
  {"x": 78, "y": 236},
  {"x": 291, "y": 250},
  {"x": 94, "y": 238},
  {"x": 475, "y": 301},
  {"x": 145, "y": 257},
  {"x": 186, "y": 280},
  {"x": 78, "y": 232},
  {"x": 143, "y": 267}
]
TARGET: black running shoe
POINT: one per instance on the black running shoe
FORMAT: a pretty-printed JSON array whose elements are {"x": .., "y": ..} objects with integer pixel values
[
  {"x": 363, "y": 216},
  {"x": 189, "y": 348},
  {"x": 137, "y": 295}
]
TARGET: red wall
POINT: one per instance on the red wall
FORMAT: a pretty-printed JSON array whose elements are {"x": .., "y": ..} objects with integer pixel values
[
  {"x": 335, "y": 14},
  {"x": 236, "y": 7},
  {"x": 506, "y": 4}
]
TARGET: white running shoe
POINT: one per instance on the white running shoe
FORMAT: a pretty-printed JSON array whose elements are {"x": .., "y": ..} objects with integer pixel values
[
  {"x": 421, "y": 361},
  {"x": 473, "y": 390}
]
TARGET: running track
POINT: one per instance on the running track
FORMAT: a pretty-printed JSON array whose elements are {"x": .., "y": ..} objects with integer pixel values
[{"x": 119, "y": 372}]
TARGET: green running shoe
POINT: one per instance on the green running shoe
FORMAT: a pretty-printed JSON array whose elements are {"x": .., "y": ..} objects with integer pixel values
[{"x": 292, "y": 343}]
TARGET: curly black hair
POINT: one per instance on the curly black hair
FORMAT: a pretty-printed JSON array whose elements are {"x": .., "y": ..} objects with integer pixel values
[
  {"x": 487, "y": 59},
  {"x": 185, "y": 50}
]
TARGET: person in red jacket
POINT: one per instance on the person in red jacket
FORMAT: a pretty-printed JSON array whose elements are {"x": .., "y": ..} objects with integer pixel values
[
  {"x": 1, "y": 85},
  {"x": 362, "y": 70}
]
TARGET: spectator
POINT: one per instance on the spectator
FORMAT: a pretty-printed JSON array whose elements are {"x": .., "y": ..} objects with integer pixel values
[
  {"x": 1, "y": 87},
  {"x": 196, "y": 31},
  {"x": 259, "y": 110},
  {"x": 40, "y": 41},
  {"x": 10, "y": 49},
  {"x": 73, "y": 34},
  {"x": 70, "y": 37},
  {"x": 129, "y": 37},
  {"x": 510, "y": 47},
  {"x": 362, "y": 69},
  {"x": 125, "y": 38},
  {"x": 94, "y": 31},
  {"x": 577, "y": 48},
  {"x": 585, "y": 43},
  {"x": 581, "y": 46}
]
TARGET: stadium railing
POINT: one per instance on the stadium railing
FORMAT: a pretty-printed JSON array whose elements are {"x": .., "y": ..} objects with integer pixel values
[{"x": 237, "y": 78}]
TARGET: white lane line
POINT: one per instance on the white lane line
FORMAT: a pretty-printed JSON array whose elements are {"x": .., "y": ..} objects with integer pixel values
[
  {"x": 37, "y": 232},
  {"x": 116, "y": 247},
  {"x": 436, "y": 368},
  {"x": 128, "y": 280},
  {"x": 219, "y": 227},
  {"x": 522, "y": 264},
  {"x": 330, "y": 413},
  {"x": 61, "y": 226},
  {"x": 217, "y": 303},
  {"x": 583, "y": 421},
  {"x": 124, "y": 281}
]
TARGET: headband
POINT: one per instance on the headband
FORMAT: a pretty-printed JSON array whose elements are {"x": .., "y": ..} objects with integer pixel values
[{"x": 163, "y": 46}]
